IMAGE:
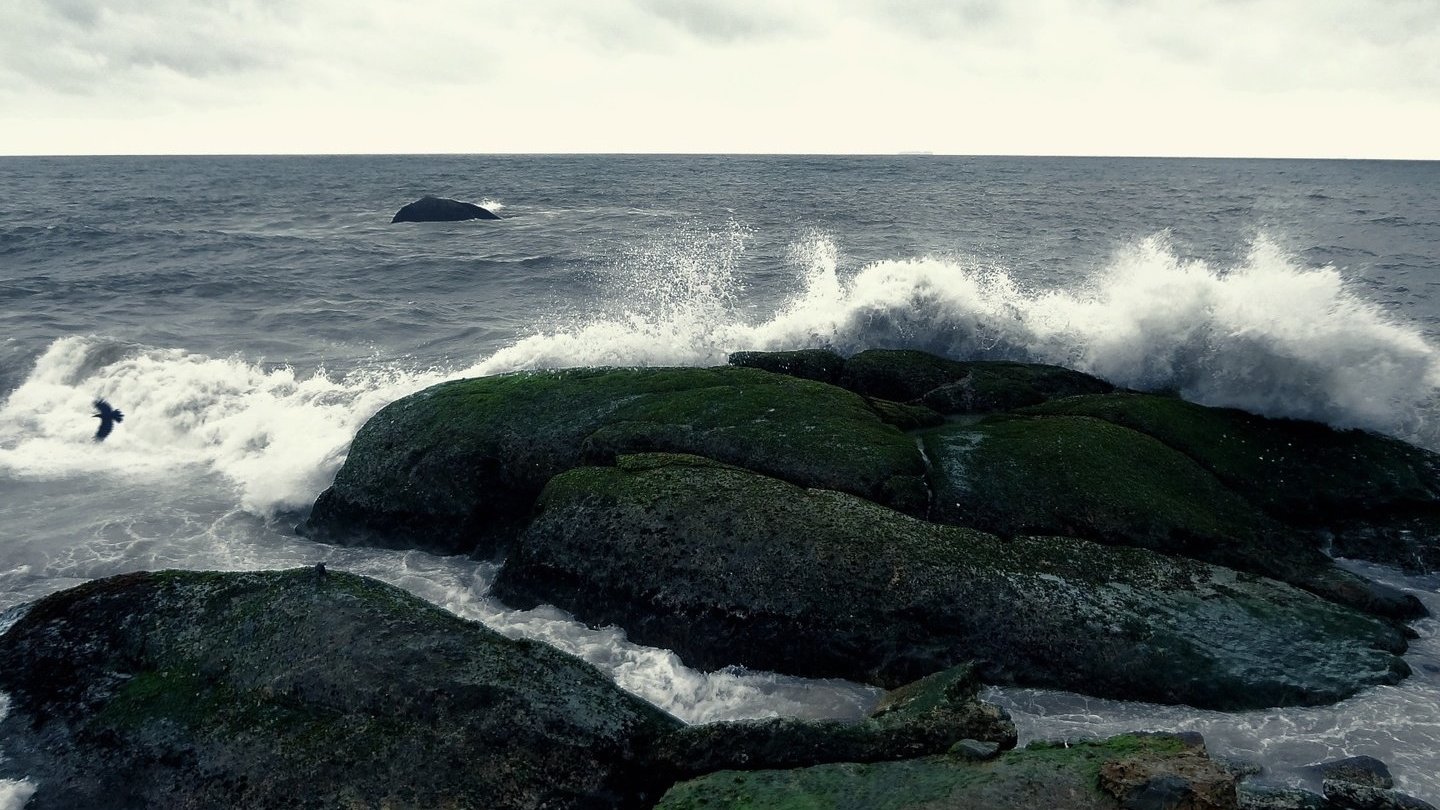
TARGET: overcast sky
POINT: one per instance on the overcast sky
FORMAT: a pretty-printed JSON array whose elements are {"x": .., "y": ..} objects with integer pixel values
[{"x": 1293, "y": 78}]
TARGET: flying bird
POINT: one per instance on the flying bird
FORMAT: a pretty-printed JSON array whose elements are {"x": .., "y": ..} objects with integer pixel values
[{"x": 109, "y": 418}]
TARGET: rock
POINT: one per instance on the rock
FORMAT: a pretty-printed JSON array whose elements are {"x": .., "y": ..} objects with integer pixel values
[
  {"x": 179, "y": 689},
  {"x": 920, "y": 719},
  {"x": 953, "y": 387},
  {"x": 725, "y": 566},
  {"x": 1344, "y": 795},
  {"x": 1041, "y": 775},
  {"x": 1361, "y": 770},
  {"x": 1184, "y": 779},
  {"x": 188, "y": 689},
  {"x": 1379, "y": 496},
  {"x": 1092, "y": 478},
  {"x": 1271, "y": 797},
  {"x": 974, "y": 750},
  {"x": 440, "y": 209},
  {"x": 821, "y": 365},
  {"x": 456, "y": 467}
]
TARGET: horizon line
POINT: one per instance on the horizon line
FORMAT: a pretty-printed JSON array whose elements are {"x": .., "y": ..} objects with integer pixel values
[{"x": 906, "y": 154}]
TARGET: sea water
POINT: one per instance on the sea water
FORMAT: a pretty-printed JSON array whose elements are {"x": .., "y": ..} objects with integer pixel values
[{"x": 250, "y": 313}]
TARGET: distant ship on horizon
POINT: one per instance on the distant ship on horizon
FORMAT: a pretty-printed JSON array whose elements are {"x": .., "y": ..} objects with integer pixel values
[{"x": 921, "y": 152}]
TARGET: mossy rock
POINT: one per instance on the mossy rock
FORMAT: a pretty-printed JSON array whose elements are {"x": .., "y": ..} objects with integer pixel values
[
  {"x": 1041, "y": 775},
  {"x": 179, "y": 689},
  {"x": 726, "y": 566},
  {"x": 1378, "y": 495},
  {"x": 457, "y": 466},
  {"x": 821, "y": 365},
  {"x": 956, "y": 387},
  {"x": 1087, "y": 477},
  {"x": 302, "y": 689}
]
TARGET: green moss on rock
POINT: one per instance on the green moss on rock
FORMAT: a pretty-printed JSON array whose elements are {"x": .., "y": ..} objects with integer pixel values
[
  {"x": 289, "y": 689},
  {"x": 1089, "y": 477},
  {"x": 730, "y": 567},
  {"x": 460, "y": 463},
  {"x": 1380, "y": 496},
  {"x": 1042, "y": 775},
  {"x": 955, "y": 387}
]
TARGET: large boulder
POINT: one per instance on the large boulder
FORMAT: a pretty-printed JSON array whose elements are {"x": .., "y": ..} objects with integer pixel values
[
  {"x": 1129, "y": 771},
  {"x": 456, "y": 467},
  {"x": 821, "y": 365},
  {"x": 1379, "y": 497},
  {"x": 1088, "y": 477},
  {"x": 956, "y": 387},
  {"x": 311, "y": 689},
  {"x": 291, "y": 689},
  {"x": 441, "y": 209},
  {"x": 729, "y": 567}
]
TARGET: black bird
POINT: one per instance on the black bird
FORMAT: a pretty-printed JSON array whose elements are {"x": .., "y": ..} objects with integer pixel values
[{"x": 109, "y": 418}]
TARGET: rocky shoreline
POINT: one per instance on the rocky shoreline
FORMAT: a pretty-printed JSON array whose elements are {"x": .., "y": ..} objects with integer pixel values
[{"x": 895, "y": 518}]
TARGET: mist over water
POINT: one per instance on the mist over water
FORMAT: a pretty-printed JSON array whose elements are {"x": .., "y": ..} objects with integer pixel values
[{"x": 249, "y": 321}]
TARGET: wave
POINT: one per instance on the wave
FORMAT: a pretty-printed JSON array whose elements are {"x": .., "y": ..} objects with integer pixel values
[
  {"x": 276, "y": 435},
  {"x": 1269, "y": 335}
]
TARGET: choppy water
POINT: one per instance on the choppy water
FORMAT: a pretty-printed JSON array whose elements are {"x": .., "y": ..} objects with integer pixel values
[{"x": 249, "y": 314}]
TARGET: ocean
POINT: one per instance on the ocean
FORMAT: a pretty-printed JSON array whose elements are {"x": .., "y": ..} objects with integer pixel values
[{"x": 248, "y": 314}]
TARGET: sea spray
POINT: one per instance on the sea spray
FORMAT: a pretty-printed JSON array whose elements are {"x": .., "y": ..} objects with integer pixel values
[
  {"x": 1267, "y": 335},
  {"x": 277, "y": 435}
]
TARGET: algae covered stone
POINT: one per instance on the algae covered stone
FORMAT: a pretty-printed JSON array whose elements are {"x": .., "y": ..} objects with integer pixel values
[
  {"x": 1379, "y": 496},
  {"x": 321, "y": 689},
  {"x": 1088, "y": 477},
  {"x": 1077, "y": 775},
  {"x": 179, "y": 689},
  {"x": 955, "y": 387},
  {"x": 457, "y": 466},
  {"x": 726, "y": 567}
]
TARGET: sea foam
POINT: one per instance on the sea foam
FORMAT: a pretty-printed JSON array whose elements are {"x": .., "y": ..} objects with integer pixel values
[{"x": 1269, "y": 335}]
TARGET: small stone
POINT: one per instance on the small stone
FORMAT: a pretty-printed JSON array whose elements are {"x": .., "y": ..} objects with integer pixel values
[
  {"x": 1361, "y": 770},
  {"x": 974, "y": 750},
  {"x": 1270, "y": 797},
  {"x": 1342, "y": 795}
]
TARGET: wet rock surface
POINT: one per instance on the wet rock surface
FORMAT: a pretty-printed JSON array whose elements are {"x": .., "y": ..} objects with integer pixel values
[
  {"x": 726, "y": 566},
  {"x": 292, "y": 689}
]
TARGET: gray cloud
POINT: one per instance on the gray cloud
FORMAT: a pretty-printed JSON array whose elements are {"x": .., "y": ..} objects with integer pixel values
[{"x": 677, "y": 74}]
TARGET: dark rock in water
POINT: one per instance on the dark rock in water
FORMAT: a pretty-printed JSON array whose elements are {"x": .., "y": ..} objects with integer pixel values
[
  {"x": 1041, "y": 775},
  {"x": 974, "y": 750},
  {"x": 1345, "y": 795},
  {"x": 440, "y": 209},
  {"x": 1361, "y": 770},
  {"x": 277, "y": 689},
  {"x": 920, "y": 719},
  {"x": 1378, "y": 496},
  {"x": 1089, "y": 477},
  {"x": 456, "y": 467},
  {"x": 1271, "y": 797},
  {"x": 725, "y": 566},
  {"x": 281, "y": 689},
  {"x": 954, "y": 387},
  {"x": 821, "y": 365}
]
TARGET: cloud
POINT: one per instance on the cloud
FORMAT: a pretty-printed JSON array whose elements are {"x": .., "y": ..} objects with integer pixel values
[{"x": 646, "y": 75}]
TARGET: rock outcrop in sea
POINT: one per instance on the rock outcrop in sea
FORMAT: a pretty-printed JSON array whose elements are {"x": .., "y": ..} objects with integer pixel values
[{"x": 892, "y": 517}]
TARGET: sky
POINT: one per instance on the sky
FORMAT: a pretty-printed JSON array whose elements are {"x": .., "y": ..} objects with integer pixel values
[{"x": 1249, "y": 78}]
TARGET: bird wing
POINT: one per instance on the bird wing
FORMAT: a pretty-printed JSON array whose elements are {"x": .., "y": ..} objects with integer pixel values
[{"x": 106, "y": 425}]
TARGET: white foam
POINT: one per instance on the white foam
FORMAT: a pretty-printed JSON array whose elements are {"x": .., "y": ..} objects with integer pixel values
[
  {"x": 1268, "y": 335},
  {"x": 14, "y": 793},
  {"x": 277, "y": 435}
]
